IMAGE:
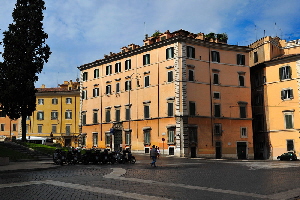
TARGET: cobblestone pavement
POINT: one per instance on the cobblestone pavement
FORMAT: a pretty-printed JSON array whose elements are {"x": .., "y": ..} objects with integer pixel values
[{"x": 174, "y": 178}]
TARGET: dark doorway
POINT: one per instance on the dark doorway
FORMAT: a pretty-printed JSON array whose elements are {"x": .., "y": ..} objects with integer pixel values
[
  {"x": 117, "y": 139},
  {"x": 218, "y": 150},
  {"x": 193, "y": 152},
  {"x": 241, "y": 149},
  {"x": 67, "y": 142}
]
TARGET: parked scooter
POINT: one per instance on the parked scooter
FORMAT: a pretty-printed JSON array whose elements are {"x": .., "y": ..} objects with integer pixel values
[{"x": 59, "y": 157}]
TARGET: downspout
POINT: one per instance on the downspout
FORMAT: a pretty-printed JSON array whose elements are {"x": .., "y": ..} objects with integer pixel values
[{"x": 158, "y": 95}]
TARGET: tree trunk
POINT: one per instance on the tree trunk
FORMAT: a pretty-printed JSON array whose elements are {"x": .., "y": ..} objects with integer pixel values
[{"x": 24, "y": 126}]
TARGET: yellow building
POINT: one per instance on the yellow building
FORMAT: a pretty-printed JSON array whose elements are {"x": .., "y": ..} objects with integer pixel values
[
  {"x": 275, "y": 73},
  {"x": 8, "y": 128},
  {"x": 57, "y": 114},
  {"x": 188, "y": 94}
]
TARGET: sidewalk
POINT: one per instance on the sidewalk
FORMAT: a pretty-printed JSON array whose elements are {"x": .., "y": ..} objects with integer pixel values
[{"x": 27, "y": 166}]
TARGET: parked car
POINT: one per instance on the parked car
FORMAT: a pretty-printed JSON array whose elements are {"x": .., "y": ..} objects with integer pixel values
[{"x": 288, "y": 156}]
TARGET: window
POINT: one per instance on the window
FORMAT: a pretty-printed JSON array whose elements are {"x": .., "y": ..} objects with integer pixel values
[
  {"x": 285, "y": 72},
  {"x": 146, "y": 111},
  {"x": 2, "y": 127},
  {"x": 244, "y": 132},
  {"x": 216, "y": 95},
  {"x": 40, "y": 115},
  {"x": 170, "y": 52},
  {"x": 127, "y": 137},
  {"x": 40, "y": 101},
  {"x": 85, "y": 76},
  {"x": 54, "y": 114},
  {"x": 240, "y": 59},
  {"x": 68, "y": 114},
  {"x": 68, "y": 130},
  {"x": 287, "y": 94},
  {"x": 127, "y": 64},
  {"x": 84, "y": 94},
  {"x": 40, "y": 128},
  {"x": 146, "y": 59},
  {"x": 290, "y": 145},
  {"x": 170, "y": 109},
  {"x": 117, "y": 87},
  {"x": 95, "y": 92},
  {"x": 96, "y": 73},
  {"x": 95, "y": 139},
  {"x": 215, "y": 56},
  {"x": 83, "y": 118},
  {"x": 288, "y": 120},
  {"x": 118, "y": 67},
  {"x": 218, "y": 129},
  {"x": 14, "y": 127},
  {"x": 95, "y": 116},
  {"x": 243, "y": 113},
  {"x": 255, "y": 58},
  {"x": 147, "y": 81},
  {"x": 118, "y": 114},
  {"x": 217, "y": 110},
  {"x": 190, "y": 52},
  {"x": 147, "y": 136},
  {"x": 54, "y": 128},
  {"x": 192, "y": 108},
  {"x": 170, "y": 76},
  {"x": 191, "y": 75},
  {"x": 54, "y": 101},
  {"x": 108, "y": 70},
  {"x": 241, "y": 80},
  {"x": 171, "y": 135},
  {"x": 107, "y": 139},
  {"x": 193, "y": 135},
  {"x": 107, "y": 115},
  {"x": 127, "y": 113},
  {"x": 216, "y": 79},
  {"x": 108, "y": 89},
  {"x": 68, "y": 100},
  {"x": 127, "y": 85}
]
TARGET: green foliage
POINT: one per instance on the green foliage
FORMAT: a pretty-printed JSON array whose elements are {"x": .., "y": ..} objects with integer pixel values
[
  {"x": 25, "y": 53},
  {"x": 156, "y": 33},
  {"x": 222, "y": 36},
  {"x": 40, "y": 147},
  {"x": 219, "y": 36},
  {"x": 210, "y": 35}
]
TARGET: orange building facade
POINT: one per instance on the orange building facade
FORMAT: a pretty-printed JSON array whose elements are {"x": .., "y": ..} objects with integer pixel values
[
  {"x": 275, "y": 72},
  {"x": 184, "y": 93}
]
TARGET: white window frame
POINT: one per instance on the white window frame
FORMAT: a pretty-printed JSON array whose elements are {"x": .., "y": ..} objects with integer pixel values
[
  {"x": 244, "y": 132},
  {"x": 40, "y": 101}
]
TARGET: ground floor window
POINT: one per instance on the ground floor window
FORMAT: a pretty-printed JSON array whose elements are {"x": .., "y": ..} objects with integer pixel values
[
  {"x": 107, "y": 139},
  {"x": 171, "y": 135},
  {"x": 290, "y": 145},
  {"x": 147, "y": 136},
  {"x": 95, "y": 139},
  {"x": 127, "y": 138}
]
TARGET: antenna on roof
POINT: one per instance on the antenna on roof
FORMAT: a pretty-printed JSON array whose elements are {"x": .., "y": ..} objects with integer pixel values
[{"x": 145, "y": 29}]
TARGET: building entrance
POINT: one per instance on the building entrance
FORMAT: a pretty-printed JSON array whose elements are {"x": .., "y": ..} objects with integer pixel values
[
  {"x": 117, "y": 139},
  {"x": 241, "y": 149},
  {"x": 218, "y": 150}
]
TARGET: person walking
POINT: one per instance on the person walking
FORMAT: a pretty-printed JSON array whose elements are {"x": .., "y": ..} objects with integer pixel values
[{"x": 153, "y": 155}]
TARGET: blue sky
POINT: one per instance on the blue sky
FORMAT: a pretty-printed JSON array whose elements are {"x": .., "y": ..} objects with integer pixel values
[{"x": 82, "y": 31}]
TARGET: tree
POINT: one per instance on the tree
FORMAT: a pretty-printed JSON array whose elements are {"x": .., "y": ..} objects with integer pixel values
[{"x": 24, "y": 55}]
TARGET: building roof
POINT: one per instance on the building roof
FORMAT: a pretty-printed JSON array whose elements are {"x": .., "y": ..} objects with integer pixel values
[{"x": 58, "y": 89}]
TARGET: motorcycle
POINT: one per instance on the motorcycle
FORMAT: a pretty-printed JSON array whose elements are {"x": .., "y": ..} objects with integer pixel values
[{"x": 59, "y": 157}]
